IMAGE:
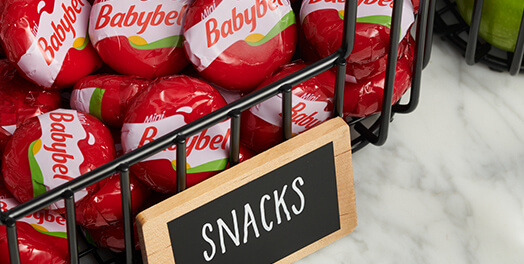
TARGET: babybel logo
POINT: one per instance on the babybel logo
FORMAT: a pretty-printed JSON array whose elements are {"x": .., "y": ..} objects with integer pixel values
[
  {"x": 50, "y": 45},
  {"x": 143, "y": 19},
  {"x": 58, "y": 147},
  {"x": 366, "y": 2},
  {"x": 239, "y": 20}
]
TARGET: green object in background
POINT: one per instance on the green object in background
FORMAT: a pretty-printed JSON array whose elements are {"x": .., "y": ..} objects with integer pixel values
[{"x": 499, "y": 22}]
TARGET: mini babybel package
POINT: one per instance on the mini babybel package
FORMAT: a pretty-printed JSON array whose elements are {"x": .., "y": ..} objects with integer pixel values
[
  {"x": 236, "y": 44},
  {"x": 20, "y": 99},
  {"x": 142, "y": 38},
  {"x": 48, "y": 41},
  {"x": 57, "y": 147},
  {"x": 322, "y": 23},
  {"x": 364, "y": 97},
  {"x": 312, "y": 104},
  {"x": 167, "y": 104},
  {"x": 42, "y": 236},
  {"x": 106, "y": 96}
]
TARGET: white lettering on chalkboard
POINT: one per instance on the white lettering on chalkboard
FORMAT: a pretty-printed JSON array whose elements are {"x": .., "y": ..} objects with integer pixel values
[{"x": 250, "y": 219}]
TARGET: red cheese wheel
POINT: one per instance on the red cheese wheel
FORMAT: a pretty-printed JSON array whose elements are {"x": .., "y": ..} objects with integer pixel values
[
  {"x": 237, "y": 44},
  {"x": 48, "y": 41}
]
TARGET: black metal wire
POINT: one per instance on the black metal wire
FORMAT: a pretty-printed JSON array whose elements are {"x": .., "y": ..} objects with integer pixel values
[
  {"x": 516, "y": 57},
  {"x": 179, "y": 136},
  {"x": 72, "y": 242},
  {"x": 127, "y": 212},
  {"x": 287, "y": 103},
  {"x": 234, "y": 148}
]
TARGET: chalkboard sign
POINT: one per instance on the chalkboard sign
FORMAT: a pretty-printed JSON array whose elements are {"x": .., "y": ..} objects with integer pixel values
[{"x": 276, "y": 207}]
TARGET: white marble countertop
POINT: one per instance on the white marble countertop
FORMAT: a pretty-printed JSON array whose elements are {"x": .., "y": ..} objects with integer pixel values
[{"x": 448, "y": 185}]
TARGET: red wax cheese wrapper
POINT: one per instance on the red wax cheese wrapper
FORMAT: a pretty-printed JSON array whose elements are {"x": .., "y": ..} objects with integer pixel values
[
  {"x": 21, "y": 99},
  {"x": 42, "y": 236},
  {"x": 322, "y": 23},
  {"x": 106, "y": 96},
  {"x": 56, "y": 147},
  {"x": 103, "y": 208},
  {"x": 4, "y": 137},
  {"x": 237, "y": 44},
  {"x": 364, "y": 98},
  {"x": 111, "y": 237},
  {"x": 167, "y": 104},
  {"x": 143, "y": 38},
  {"x": 48, "y": 41},
  {"x": 312, "y": 104}
]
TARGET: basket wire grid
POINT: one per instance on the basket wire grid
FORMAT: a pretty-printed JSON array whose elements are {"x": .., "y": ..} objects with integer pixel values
[
  {"x": 376, "y": 133},
  {"x": 450, "y": 24}
]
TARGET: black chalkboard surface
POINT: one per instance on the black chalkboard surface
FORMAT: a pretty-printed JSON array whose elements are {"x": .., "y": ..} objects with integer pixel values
[
  {"x": 278, "y": 206},
  {"x": 266, "y": 219}
]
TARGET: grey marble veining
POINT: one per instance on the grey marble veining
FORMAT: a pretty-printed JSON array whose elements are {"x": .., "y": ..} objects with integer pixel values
[{"x": 448, "y": 185}]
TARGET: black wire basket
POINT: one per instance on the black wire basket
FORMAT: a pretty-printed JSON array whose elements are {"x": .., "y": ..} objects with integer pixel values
[
  {"x": 452, "y": 27},
  {"x": 372, "y": 129}
]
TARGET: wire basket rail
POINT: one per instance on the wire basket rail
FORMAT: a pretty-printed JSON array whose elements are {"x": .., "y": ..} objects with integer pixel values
[{"x": 376, "y": 133}]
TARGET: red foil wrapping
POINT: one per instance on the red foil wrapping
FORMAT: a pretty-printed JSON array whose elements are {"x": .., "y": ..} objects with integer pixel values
[
  {"x": 167, "y": 104},
  {"x": 106, "y": 96}
]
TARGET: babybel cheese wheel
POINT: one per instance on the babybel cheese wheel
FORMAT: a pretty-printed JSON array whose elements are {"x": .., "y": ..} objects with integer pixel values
[
  {"x": 48, "y": 41},
  {"x": 42, "y": 236},
  {"x": 106, "y": 96},
  {"x": 312, "y": 104},
  {"x": 237, "y": 44},
  {"x": 142, "y": 38},
  {"x": 57, "y": 147},
  {"x": 167, "y": 104},
  {"x": 322, "y": 23},
  {"x": 21, "y": 99}
]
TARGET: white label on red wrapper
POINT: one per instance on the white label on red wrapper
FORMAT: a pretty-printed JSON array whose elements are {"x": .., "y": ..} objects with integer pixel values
[
  {"x": 305, "y": 113},
  {"x": 371, "y": 9},
  {"x": 11, "y": 129},
  {"x": 206, "y": 151},
  {"x": 65, "y": 28},
  {"x": 233, "y": 21},
  {"x": 147, "y": 24},
  {"x": 45, "y": 221},
  {"x": 55, "y": 158},
  {"x": 81, "y": 98}
]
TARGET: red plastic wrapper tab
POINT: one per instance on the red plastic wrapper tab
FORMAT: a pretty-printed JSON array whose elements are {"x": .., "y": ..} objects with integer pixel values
[
  {"x": 56, "y": 147},
  {"x": 237, "y": 44},
  {"x": 48, "y": 40},
  {"x": 106, "y": 96},
  {"x": 167, "y": 104},
  {"x": 364, "y": 98},
  {"x": 42, "y": 236},
  {"x": 312, "y": 104},
  {"x": 142, "y": 38},
  {"x": 21, "y": 99}
]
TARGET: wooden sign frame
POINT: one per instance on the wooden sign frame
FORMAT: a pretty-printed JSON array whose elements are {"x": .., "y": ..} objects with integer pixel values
[{"x": 152, "y": 223}]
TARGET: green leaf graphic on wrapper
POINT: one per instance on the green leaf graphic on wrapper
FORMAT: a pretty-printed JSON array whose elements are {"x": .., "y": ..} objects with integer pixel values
[
  {"x": 95, "y": 103},
  {"x": 36, "y": 173},
  {"x": 140, "y": 43},
  {"x": 80, "y": 43},
  {"x": 259, "y": 39},
  {"x": 215, "y": 165},
  {"x": 38, "y": 183}
]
